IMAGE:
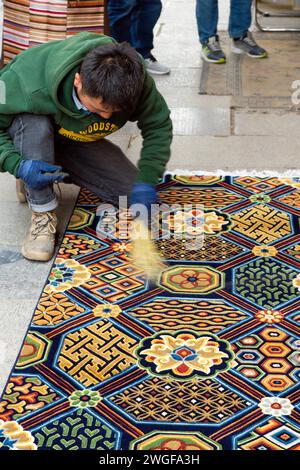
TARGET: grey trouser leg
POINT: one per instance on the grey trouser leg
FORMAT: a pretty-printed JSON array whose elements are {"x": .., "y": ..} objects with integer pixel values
[
  {"x": 99, "y": 166},
  {"x": 32, "y": 136}
]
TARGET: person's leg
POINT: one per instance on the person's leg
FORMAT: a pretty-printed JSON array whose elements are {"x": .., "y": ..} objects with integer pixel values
[
  {"x": 99, "y": 166},
  {"x": 133, "y": 21},
  {"x": 119, "y": 14},
  {"x": 144, "y": 17},
  {"x": 240, "y": 17},
  {"x": 33, "y": 138},
  {"x": 239, "y": 24},
  {"x": 207, "y": 15}
]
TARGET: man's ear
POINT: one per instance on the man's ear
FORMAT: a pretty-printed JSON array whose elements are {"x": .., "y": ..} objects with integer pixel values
[{"x": 77, "y": 81}]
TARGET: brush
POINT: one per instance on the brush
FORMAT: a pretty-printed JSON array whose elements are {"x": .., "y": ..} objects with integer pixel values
[{"x": 144, "y": 253}]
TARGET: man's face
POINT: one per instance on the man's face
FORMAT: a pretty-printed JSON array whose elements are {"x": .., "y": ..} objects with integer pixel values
[{"x": 94, "y": 105}]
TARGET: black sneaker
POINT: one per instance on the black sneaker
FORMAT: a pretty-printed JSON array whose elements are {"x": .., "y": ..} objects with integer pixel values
[
  {"x": 247, "y": 45},
  {"x": 212, "y": 52}
]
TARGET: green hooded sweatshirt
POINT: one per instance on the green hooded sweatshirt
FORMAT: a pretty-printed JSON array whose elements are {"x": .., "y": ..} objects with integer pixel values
[{"x": 40, "y": 81}]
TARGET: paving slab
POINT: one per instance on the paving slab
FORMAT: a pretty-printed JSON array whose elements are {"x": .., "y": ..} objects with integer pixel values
[
  {"x": 8, "y": 188},
  {"x": 15, "y": 319},
  {"x": 201, "y": 121},
  {"x": 191, "y": 97},
  {"x": 14, "y": 221},
  {"x": 181, "y": 77},
  {"x": 185, "y": 48},
  {"x": 229, "y": 153},
  {"x": 267, "y": 124},
  {"x": 20, "y": 278}
]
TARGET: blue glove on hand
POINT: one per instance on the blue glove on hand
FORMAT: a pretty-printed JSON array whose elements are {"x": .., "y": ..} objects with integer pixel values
[
  {"x": 36, "y": 174},
  {"x": 143, "y": 193}
]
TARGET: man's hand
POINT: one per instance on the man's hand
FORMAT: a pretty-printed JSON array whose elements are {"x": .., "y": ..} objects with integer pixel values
[
  {"x": 143, "y": 193},
  {"x": 36, "y": 174}
]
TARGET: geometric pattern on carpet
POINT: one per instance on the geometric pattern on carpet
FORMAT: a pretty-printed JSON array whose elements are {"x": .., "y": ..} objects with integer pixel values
[{"x": 206, "y": 359}]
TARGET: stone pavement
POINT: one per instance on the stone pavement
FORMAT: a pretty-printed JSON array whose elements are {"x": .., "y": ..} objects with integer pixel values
[{"x": 208, "y": 135}]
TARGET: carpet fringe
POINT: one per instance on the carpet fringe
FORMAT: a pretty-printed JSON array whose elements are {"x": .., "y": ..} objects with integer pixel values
[{"x": 241, "y": 172}]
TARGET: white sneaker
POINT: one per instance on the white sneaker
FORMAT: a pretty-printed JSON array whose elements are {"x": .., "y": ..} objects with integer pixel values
[
  {"x": 155, "y": 67},
  {"x": 39, "y": 243}
]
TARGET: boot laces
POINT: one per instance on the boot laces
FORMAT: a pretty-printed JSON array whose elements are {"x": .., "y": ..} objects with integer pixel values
[{"x": 43, "y": 224}]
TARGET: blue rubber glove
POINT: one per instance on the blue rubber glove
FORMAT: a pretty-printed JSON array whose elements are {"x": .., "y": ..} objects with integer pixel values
[
  {"x": 37, "y": 174},
  {"x": 143, "y": 193}
]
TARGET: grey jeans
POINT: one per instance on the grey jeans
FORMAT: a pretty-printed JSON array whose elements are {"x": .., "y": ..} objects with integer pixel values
[{"x": 99, "y": 166}]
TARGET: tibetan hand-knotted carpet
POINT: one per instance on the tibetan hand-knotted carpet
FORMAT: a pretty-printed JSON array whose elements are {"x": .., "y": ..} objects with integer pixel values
[{"x": 208, "y": 358}]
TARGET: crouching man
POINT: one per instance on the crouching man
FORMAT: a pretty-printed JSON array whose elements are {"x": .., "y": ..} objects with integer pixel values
[{"x": 62, "y": 99}]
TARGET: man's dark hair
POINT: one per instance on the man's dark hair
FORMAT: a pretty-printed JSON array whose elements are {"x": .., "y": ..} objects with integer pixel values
[{"x": 113, "y": 72}]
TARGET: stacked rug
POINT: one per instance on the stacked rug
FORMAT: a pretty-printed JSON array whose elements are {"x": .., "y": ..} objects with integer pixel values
[
  {"x": 206, "y": 359},
  {"x": 28, "y": 23}
]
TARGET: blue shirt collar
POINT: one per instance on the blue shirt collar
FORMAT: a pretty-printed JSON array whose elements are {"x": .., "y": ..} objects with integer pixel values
[{"x": 78, "y": 103}]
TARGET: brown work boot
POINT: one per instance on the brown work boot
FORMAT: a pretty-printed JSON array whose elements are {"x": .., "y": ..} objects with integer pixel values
[
  {"x": 20, "y": 190},
  {"x": 39, "y": 243}
]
